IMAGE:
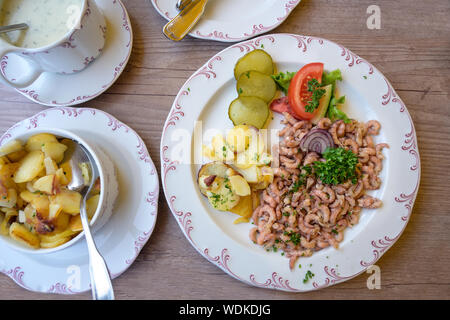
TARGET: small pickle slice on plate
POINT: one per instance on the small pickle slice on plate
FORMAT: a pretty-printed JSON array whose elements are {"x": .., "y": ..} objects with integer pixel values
[
  {"x": 257, "y": 60},
  {"x": 250, "y": 111},
  {"x": 256, "y": 84}
]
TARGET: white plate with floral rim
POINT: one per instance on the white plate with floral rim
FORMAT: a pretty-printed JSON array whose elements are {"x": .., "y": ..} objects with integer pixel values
[
  {"x": 205, "y": 97},
  {"x": 233, "y": 20},
  {"x": 134, "y": 216},
  {"x": 53, "y": 89}
]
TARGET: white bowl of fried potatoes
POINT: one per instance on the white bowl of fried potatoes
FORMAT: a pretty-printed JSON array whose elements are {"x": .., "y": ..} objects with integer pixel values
[{"x": 38, "y": 213}]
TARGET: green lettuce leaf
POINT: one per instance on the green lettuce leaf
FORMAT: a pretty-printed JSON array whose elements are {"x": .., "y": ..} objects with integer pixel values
[
  {"x": 283, "y": 80},
  {"x": 331, "y": 77},
  {"x": 334, "y": 113}
]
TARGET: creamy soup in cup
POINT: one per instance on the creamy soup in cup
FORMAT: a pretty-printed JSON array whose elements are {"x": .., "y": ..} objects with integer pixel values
[
  {"x": 64, "y": 36},
  {"x": 48, "y": 20}
]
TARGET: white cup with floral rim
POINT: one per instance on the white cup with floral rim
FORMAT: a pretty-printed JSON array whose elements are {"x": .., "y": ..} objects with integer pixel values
[{"x": 65, "y": 42}]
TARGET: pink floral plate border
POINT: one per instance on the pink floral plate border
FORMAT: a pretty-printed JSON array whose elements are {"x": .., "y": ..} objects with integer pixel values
[
  {"x": 21, "y": 269},
  {"x": 190, "y": 216},
  {"x": 219, "y": 34},
  {"x": 35, "y": 95}
]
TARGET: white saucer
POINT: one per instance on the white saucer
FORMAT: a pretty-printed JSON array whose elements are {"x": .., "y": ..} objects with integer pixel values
[
  {"x": 65, "y": 90},
  {"x": 134, "y": 215},
  {"x": 233, "y": 20}
]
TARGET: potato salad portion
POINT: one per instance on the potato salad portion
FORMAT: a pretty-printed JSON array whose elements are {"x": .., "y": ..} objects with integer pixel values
[{"x": 240, "y": 167}]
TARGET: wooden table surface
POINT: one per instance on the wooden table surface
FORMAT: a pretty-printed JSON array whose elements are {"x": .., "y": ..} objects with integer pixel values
[{"x": 412, "y": 49}]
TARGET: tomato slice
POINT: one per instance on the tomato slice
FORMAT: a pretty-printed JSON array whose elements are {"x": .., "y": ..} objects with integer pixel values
[
  {"x": 298, "y": 93},
  {"x": 282, "y": 105}
]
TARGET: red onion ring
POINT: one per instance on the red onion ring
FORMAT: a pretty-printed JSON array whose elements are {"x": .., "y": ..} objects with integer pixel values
[{"x": 317, "y": 140}]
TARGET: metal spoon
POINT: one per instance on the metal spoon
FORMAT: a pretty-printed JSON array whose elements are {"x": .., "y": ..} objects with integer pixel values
[
  {"x": 179, "y": 27},
  {"x": 13, "y": 27},
  {"x": 100, "y": 278}
]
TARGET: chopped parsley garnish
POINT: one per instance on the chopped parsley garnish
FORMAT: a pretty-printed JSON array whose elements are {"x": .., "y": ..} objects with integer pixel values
[
  {"x": 308, "y": 275},
  {"x": 294, "y": 237},
  {"x": 339, "y": 167},
  {"x": 308, "y": 169},
  {"x": 240, "y": 91},
  {"x": 315, "y": 88},
  {"x": 301, "y": 179},
  {"x": 224, "y": 151},
  {"x": 215, "y": 197},
  {"x": 296, "y": 185}
]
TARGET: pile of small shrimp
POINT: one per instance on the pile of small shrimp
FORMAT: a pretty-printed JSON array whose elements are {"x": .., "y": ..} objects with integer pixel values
[{"x": 315, "y": 217}]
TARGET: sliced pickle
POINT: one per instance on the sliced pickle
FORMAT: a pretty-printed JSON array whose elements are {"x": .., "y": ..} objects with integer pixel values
[
  {"x": 257, "y": 60},
  {"x": 250, "y": 111},
  {"x": 256, "y": 84}
]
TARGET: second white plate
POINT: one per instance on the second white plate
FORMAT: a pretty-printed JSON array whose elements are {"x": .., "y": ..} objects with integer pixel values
[
  {"x": 233, "y": 20},
  {"x": 134, "y": 215}
]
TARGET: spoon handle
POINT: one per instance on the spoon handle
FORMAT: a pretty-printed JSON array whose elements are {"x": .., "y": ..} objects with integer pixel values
[
  {"x": 101, "y": 285},
  {"x": 13, "y": 27},
  {"x": 180, "y": 26}
]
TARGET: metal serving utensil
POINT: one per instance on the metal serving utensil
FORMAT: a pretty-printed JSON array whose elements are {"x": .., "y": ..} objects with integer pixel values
[
  {"x": 179, "y": 27},
  {"x": 13, "y": 27},
  {"x": 181, "y": 4},
  {"x": 100, "y": 278}
]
